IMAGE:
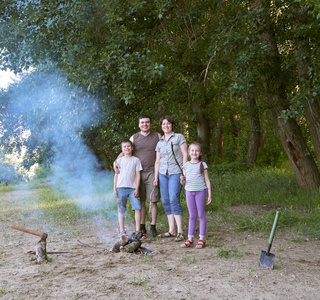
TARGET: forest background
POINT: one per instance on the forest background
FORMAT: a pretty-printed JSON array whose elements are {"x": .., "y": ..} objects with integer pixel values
[{"x": 241, "y": 77}]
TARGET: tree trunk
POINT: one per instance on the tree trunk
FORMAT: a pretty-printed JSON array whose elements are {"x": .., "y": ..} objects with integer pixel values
[
  {"x": 255, "y": 130},
  {"x": 289, "y": 132},
  {"x": 220, "y": 138},
  {"x": 292, "y": 140},
  {"x": 312, "y": 114},
  {"x": 203, "y": 128},
  {"x": 311, "y": 108}
]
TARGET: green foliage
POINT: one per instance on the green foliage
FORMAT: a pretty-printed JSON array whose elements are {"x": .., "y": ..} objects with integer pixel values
[{"x": 195, "y": 60}]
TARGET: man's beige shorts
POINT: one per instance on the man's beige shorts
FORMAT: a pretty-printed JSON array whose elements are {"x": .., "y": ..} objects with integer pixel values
[{"x": 148, "y": 192}]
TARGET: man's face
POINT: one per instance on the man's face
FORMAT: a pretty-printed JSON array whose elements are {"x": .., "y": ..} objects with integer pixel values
[{"x": 145, "y": 125}]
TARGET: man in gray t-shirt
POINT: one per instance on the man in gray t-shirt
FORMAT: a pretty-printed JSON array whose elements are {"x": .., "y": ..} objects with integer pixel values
[{"x": 145, "y": 143}]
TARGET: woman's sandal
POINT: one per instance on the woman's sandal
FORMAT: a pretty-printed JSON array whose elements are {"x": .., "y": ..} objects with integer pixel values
[
  {"x": 186, "y": 244},
  {"x": 166, "y": 235},
  {"x": 201, "y": 244},
  {"x": 179, "y": 238}
]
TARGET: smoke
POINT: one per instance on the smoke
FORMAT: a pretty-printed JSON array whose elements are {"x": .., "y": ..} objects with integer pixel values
[{"x": 55, "y": 114}]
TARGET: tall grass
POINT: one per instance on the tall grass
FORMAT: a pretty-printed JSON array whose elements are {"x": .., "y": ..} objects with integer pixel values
[
  {"x": 4, "y": 188},
  {"x": 268, "y": 188}
]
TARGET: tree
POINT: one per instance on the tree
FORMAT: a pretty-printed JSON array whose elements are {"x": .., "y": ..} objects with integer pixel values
[{"x": 216, "y": 66}]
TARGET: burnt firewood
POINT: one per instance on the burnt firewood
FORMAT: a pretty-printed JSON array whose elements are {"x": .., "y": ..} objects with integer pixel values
[
  {"x": 128, "y": 244},
  {"x": 123, "y": 241},
  {"x": 131, "y": 247}
]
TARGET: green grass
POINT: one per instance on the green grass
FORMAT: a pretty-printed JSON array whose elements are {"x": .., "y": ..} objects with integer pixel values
[
  {"x": 270, "y": 188},
  {"x": 5, "y": 289},
  {"x": 188, "y": 260},
  {"x": 56, "y": 207},
  {"x": 228, "y": 253},
  {"x": 139, "y": 281},
  {"x": 4, "y": 188},
  {"x": 277, "y": 188}
]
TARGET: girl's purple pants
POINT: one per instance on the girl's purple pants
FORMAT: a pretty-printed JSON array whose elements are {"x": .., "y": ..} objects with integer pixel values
[{"x": 196, "y": 202}]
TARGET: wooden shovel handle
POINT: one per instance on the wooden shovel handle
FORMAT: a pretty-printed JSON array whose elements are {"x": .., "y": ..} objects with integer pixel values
[{"x": 27, "y": 230}]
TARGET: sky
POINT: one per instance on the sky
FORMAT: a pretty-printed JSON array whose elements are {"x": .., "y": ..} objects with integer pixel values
[{"x": 6, "y": 77}]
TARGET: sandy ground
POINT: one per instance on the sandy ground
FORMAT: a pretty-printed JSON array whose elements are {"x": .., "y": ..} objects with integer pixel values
[{"x": 91, "y": 271}]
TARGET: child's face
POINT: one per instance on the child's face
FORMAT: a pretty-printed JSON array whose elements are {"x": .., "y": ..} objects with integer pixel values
[
  {"x": 194, "y": 151},
  {"x": 127, "y": 148}
]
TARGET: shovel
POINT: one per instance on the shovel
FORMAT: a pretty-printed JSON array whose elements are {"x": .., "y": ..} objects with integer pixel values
[{"x": 267, "y": 258}]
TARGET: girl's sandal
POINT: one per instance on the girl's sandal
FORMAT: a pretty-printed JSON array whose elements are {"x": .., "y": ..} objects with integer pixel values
[
  {"x": 186, "y": 244},
  {"x": 201, "y": 244}
]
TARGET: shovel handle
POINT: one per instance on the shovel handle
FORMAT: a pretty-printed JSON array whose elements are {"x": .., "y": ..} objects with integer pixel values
[{"x": 273, "y": 230}]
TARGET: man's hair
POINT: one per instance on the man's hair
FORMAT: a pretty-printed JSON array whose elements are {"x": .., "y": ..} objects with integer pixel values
[
  {"x": 169, "y": 119},
  {"x": 127, "y": 141},
  {"x": 145, "y": 117}
]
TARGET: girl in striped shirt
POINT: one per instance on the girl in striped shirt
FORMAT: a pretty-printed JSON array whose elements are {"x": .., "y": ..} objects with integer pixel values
[{"x": 197, "y": 188}]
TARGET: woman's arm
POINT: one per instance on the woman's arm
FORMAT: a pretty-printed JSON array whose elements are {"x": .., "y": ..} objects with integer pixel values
[
  {"x": 184, "y": 150},
  {"x": 156, "y": 168}
]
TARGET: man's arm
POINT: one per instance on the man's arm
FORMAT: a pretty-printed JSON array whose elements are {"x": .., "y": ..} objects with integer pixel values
[{"x": 116, "y": 166}]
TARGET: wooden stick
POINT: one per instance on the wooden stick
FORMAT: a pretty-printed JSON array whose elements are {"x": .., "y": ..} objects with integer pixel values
[
  {"x": 174, "y": 156},
  {"x": 27, "y": 230}
]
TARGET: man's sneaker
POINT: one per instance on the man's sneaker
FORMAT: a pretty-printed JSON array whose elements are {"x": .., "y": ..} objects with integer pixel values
[{"x": 153, "y": 230}]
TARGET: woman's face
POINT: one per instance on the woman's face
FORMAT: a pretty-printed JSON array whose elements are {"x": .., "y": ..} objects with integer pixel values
[{"x": 166, "y": 126}]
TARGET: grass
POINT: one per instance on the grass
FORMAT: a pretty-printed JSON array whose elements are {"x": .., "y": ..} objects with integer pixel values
[
  {"x": 4, "y": 188},
  {"x": 188, "y": 260},
  {"x": 5, "y": 289},
  {"x": 139, "y": 281},
  {"x": 228, "y": 253},
  {"x": 277, "y": 188},
  {"x": 268, "y": 187}
]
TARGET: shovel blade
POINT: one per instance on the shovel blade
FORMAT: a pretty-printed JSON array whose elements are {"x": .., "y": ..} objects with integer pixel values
[{"x": 266, "y": 260}]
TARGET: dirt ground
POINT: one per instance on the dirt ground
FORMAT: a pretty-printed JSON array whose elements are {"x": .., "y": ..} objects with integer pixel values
[{"x": 91, "y": 271}]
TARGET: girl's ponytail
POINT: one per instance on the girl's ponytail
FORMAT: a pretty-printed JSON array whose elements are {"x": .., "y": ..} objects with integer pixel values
[{"x": 201, "y": 167}]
